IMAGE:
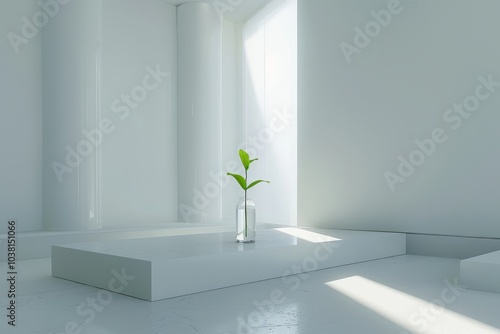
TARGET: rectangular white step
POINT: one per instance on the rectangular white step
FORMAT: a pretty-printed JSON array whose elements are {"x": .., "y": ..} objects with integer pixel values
[
  {"x": 481, "y": 272},
  {"x": 165, "y": 267}
]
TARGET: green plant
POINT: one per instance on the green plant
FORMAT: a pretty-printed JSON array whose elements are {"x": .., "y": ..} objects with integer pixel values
[{"x": 243, "y": 181}]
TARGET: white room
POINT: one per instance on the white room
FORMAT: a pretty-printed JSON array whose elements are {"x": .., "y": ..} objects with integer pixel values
[{"x": 249, "y": 166}]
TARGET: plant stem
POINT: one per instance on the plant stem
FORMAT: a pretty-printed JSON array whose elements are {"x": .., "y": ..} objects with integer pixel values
[{"x": 246, "y": 225}]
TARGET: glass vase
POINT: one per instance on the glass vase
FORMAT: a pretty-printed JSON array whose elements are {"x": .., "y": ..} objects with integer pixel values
[{"x": 245, "y": 221}]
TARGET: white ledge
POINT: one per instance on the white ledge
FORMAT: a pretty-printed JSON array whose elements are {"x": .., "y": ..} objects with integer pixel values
[
  {"x": 179, "y": 265},
  {"x": 37, "y": 244},
  {"x": 481, "y": 272}
]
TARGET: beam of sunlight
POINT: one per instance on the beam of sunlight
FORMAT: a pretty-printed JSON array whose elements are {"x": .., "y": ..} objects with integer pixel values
[
  {"x": 307, "y": 235},
  {"x": 409, "y": 312}
]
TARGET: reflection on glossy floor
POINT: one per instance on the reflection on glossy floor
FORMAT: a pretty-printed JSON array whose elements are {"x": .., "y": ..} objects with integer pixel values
[{"x": 404, "y": 294}]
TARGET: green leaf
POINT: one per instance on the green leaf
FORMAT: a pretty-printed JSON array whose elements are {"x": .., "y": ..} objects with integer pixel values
[
  {"x": 252, "y": 161},
  {"x": 245, "y": 159},
  {"x": 240, "y": 179},
  {"x": 256, "y": 183}
]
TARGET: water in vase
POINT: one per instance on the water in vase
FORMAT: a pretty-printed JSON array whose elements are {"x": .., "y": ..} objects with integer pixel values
[{"x": 245, "y": 232}]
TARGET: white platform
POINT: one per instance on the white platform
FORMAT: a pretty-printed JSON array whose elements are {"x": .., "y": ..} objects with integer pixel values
[
  {"x": 179, "y": 265},
  {"x": 481, "y": 272}
]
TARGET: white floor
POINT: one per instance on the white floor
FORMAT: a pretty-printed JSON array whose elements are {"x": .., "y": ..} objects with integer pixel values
[{"x": 404, "y": 294}]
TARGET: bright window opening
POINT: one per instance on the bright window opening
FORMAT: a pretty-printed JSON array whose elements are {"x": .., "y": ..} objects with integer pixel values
[{"x": 270, "y": 107}]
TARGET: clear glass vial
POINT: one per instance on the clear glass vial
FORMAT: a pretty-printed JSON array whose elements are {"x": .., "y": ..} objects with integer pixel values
[{"x": 245, "y": 221}]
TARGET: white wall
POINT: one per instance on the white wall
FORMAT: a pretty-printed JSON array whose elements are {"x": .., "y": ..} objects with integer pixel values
[
  {"x": 71, "y": 79},
  {"x": 199, "y": 113},
  {"x": 20, "y": 120},
  {"x": 231, "y": 118},
  {"x": 139, "y": 158},
  {"x": 357, "y": 118},
  {"x": 72, "y": 54}
]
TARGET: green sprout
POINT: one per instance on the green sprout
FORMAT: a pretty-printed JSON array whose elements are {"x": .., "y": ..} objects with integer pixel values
[{"x": 242, "y": 181}]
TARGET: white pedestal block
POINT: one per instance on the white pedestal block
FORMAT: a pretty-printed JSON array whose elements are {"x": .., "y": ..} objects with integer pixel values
[
  {"x": 160, "y": 268},
  {"x": 481, "y": 272}
]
